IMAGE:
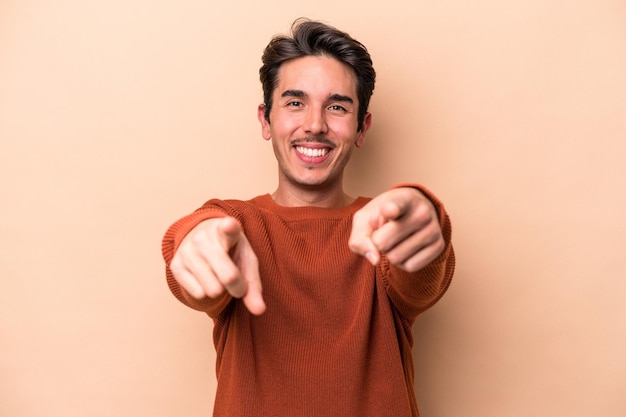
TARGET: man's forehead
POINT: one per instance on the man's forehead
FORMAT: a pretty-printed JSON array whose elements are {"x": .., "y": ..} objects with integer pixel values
[{"x": 314, "y": 75}]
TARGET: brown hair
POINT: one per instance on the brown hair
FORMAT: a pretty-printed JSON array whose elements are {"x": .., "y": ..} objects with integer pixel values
[{"x": 315, "y": 38}]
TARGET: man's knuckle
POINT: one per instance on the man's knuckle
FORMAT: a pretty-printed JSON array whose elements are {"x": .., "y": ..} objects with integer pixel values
[
  {"x": 354, "y": 242},
  {"x": 229, "y": 278},
  {"x": 413, "y": 264},
  {"x": 214, "y": 291},
  {"x": 176, "y": 265},
  {"x": 197, "y": 238},
  {"x": 439, "y": 246},
  {"x": 394, "y": 258}
]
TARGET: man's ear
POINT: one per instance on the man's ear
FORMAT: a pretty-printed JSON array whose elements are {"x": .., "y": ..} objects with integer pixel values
[
  {"x": 367, "y": 123},
  {"x": 265, "y": 125}
]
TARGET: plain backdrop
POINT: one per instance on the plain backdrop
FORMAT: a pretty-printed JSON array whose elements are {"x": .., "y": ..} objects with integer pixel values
[{"x": 118, "y": 117}]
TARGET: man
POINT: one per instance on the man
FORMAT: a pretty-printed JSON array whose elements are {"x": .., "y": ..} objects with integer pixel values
[{"x": 312, "y": 292}]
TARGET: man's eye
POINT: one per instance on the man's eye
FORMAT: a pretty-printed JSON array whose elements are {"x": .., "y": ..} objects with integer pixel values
[
  {"x": 337, "y": 107},
  {"x": 294, "y": 104}
]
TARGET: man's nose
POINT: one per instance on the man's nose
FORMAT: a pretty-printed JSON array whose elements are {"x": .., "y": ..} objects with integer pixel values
[{"x": 315, "y": 122}]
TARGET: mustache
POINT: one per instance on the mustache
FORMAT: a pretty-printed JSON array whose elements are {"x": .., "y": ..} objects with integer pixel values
[{"x": 314, "y": 139}]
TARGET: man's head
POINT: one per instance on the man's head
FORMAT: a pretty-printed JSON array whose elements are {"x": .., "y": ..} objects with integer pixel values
[{"x": 318, "y": 39}]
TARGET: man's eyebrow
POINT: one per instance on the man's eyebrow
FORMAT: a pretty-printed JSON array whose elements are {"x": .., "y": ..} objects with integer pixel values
[
  {"x": 333, "y": 97},
  {"x": 341, "y": 98},
  {"x": 293, "y": 93}
]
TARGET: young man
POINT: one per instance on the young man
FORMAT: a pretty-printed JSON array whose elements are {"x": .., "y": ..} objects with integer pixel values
[{"x": 313, "y": 293}]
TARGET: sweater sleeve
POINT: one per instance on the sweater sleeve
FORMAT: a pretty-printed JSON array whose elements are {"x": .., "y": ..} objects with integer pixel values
[
  {"x": 172, "y": 239},
  {"x": 414, "y": 293}
]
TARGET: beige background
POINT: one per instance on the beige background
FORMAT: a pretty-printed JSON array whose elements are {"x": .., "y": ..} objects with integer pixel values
[{"x": 118, "y": 117}]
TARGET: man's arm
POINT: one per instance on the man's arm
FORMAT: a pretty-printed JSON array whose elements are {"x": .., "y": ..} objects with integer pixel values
[{"x": 413, "y": 232}]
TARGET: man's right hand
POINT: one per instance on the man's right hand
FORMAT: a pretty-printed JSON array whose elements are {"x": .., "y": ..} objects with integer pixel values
[{"x": 216, "y": 256}]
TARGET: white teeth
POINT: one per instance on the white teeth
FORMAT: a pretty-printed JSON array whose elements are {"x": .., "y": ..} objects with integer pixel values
[{"x": 312, "y": 153}]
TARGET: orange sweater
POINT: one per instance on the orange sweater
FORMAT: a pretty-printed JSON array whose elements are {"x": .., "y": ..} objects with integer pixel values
[{"x": 335, "y": 339}]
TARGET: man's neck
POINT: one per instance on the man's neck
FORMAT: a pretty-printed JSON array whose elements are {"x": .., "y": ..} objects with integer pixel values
[{"x": 313, "y": 198}]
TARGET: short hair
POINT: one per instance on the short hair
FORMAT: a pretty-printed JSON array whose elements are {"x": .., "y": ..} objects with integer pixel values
[{"x": 318, "y": 39}]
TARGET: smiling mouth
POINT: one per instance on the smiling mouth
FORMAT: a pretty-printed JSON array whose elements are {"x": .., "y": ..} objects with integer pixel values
[{"x": 312, "y": 152}]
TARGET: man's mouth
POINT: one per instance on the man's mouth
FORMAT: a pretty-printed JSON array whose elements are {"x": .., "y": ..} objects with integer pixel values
[{"x": 312, "y": 152}]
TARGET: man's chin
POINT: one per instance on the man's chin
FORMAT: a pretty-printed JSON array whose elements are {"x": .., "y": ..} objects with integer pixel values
[{"x": 315, "y": 184}]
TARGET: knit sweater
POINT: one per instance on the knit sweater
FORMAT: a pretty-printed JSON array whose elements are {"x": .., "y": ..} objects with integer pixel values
[{"x": 336, "y": 338}]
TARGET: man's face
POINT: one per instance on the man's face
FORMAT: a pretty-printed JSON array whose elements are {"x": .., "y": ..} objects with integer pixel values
[{"x": 313, "y": 122}]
